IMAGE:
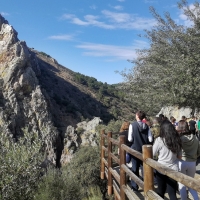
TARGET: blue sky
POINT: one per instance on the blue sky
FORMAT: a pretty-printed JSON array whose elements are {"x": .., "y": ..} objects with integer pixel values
[{"x": 95, "y": 38}]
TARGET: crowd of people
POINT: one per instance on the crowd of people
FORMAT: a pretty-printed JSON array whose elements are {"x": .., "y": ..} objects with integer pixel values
[{"x": 175, "y": 145}]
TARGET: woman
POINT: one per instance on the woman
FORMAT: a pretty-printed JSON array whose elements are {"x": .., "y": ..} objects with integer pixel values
[
  {"x": 187, "y": 165},
  {"x": 124, "y": 131},
  {"x": 168, "y": 148}
]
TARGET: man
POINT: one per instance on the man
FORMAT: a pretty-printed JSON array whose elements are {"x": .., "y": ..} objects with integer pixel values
[
  {"x": 139, "y": 134},
  {"x": 192, "y": 125}
]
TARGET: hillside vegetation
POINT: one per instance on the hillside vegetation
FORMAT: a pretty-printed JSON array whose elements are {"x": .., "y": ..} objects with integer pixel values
[{"x": 78, "y": 97}]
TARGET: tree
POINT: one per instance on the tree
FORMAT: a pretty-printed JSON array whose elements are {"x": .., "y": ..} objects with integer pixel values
[{"x": 167, "y": 73}]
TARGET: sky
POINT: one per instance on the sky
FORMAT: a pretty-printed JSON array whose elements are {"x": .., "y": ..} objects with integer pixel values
[{"x": 96, "y": 38}]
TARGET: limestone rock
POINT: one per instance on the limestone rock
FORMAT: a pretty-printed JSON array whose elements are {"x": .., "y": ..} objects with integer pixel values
[
  {"x": 84, "y": 135},
  {"x": 23, "y": 106},
  {"x": 178, "y": 112}
]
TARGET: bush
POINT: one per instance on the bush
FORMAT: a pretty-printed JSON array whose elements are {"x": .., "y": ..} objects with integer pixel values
[
  {"x": 19, "y": 169},
  {"x": 58, "y": 186},
  {"x": 78, "y": 180}
]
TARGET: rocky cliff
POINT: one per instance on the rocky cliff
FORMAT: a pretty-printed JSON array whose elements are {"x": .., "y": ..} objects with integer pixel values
[{"x": 23, "y": 105}]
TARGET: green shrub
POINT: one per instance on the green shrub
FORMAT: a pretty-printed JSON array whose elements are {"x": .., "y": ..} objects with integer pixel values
[
  {"x": 80, "y": 179},
  {"x": 58, "y": 186},
  {"x": 19, "y": 168}
]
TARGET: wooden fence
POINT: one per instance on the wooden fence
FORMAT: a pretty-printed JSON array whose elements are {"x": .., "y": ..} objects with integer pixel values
[{"x": 117, "y": 184}]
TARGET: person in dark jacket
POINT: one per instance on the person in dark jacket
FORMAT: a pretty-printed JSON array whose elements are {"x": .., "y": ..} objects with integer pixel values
[{"x": 139, "y": 134}]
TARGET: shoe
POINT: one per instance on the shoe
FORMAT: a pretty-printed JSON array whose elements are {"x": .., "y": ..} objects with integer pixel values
[
  {"x": 134, "y": 190},
  {"x": 129, "y": 165}
]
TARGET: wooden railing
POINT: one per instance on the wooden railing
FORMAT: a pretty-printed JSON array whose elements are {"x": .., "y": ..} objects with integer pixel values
[{"x": 117, "y": 184}]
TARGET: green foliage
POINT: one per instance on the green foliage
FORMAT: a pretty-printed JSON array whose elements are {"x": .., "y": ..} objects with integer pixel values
[
  {"x": 56, "y": 185},
  {"x": 78, "y": 180},
  {"x": 19, "y": 169},
  {"x": 103, "y": 88},
  {"x": 113, "y": 126},
  {"x": 85, "y": 166},
  {"x": 167, "y": 73}
]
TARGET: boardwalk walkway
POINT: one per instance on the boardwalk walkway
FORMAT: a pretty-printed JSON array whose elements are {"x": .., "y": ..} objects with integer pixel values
[{"x": 115, "y": 170}]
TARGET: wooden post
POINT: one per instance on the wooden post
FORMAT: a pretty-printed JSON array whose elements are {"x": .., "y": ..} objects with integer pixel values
[
  {"x": 148, "y": 171},
  {"x": 110, "y": 189},
  {"x": 102, "y": 175},
  {"x": 122, "y": 154}
]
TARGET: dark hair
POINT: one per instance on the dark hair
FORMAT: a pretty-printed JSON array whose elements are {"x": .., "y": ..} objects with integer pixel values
[
  {"x": 160, "y": 118},
  {"x": 183, "y": 127},
  {"x": 170, "y": 136},
  {"x": 141, "y": 114},
  {"x": 183, "y": 117}
]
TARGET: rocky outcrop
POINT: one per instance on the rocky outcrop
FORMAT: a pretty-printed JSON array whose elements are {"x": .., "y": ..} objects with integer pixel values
[
  {"x": 84, "y": 134},
  {"x": 178, "y": 112},
  {"x": 23, "y": 106}
]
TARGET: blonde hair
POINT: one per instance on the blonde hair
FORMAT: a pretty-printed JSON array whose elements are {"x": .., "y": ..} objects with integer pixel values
[{"x": 124, "y": 126}]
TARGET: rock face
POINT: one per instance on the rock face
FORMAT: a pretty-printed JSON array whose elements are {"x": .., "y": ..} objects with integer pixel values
[
  {"x": 177, "y": 112},
  {"x": 23, "y": 106},
  {"x": 84, "y": 135}
]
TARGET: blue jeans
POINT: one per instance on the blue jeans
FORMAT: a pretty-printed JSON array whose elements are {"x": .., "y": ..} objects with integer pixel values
[
  {"x": 136, "y": 163},
  {"x": 128, "y": 158}
]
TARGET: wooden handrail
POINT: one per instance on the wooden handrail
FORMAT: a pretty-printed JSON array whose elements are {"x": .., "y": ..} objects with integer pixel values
[
  {"x": 133, "y": 176},
  {"x": 114, "y": 141},
  {"x": 115, "y": 158},
  {"x": 148, "y": 165},
  {"x": 179, "y": 177},
  {"x": 132, "y": 152}
]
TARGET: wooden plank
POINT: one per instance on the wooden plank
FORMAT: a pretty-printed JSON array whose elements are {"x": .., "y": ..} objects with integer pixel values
[
  {"x": 132, "y": 152},
  {"x": 116, "y": 142},
  {"x": 117, "y": 160},
  {"x": 105, "y": 149},
  {"x": 105, "y": 162},
  {"x": 151, "y": 195},
  {"x": 116, "y": 190},
  {"x": 115, "y": 175},
  {"x": 133, "y": 176}
]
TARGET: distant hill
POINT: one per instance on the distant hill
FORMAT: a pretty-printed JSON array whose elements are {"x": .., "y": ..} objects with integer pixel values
[{"x": 76, "y": 97}]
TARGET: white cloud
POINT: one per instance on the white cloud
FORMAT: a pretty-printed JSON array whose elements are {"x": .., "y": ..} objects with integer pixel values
[
  {"x": 117, "y": 17},
  {"x": 88, "y": 20},
  {"x": 128, "y": 21},
  {"x": 118, "y": 7},
  {"x": 121, "y": 0},
  {"x": 93, "y": 7},
  {"x": 61, "y": 37},
  {"x": 4, "y": 13},
  {"x": 112, "y": 51},
  {"x": 114, "y": 20}
]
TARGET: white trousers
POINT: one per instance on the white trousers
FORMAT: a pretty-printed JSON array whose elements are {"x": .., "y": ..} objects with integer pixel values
[{"x": 188, "y": 168}]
